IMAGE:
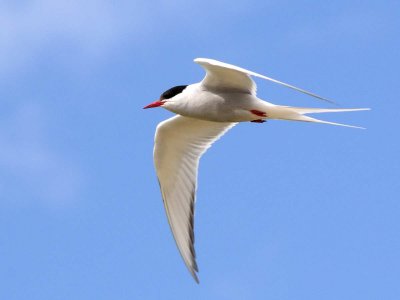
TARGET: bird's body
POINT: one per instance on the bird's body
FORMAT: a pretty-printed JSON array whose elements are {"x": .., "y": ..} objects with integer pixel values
[
  {"x": 199, "y": 103},
  {"x": 205, "y": 111}
]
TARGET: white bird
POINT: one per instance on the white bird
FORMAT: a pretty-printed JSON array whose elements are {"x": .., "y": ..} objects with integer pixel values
[{"x": 205, "y": 111}]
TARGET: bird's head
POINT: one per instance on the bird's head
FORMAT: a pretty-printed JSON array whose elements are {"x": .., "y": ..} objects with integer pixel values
[{"x": 167, "y": 96}]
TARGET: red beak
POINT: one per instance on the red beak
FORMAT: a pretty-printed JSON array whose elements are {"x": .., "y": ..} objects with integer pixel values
[{"x": 154, "y": 104}]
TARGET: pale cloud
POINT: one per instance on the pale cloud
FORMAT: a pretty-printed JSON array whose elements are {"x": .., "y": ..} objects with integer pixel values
[
  {"x": 90, "y": 27},
  {"x": 29, "y": 165}
]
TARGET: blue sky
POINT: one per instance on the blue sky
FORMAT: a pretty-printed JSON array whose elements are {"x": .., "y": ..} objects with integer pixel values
[{"x": 285, "y": 210}]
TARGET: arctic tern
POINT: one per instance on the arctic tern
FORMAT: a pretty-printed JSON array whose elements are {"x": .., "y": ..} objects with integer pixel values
[{"x": 204, "y": 112}]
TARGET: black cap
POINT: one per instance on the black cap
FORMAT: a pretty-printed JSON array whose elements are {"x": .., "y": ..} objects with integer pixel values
[{"x": 172, "y": 92}]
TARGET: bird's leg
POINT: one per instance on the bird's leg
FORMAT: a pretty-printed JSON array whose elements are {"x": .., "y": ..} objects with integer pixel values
[{"x": 258, "y": 113}]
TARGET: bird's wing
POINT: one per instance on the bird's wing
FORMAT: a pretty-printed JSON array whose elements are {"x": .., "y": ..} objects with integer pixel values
[
  {"x": 223, "y": 76},
  {"x": 179, "y": 144},
  {"x": 226, "y": 77}
]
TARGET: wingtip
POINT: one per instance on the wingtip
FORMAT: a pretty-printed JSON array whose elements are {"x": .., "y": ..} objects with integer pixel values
[
  {"x": 194, "y": 275},
  {"x": 196, "y": 279},
  {"x": 329, "y": 101},
  {"x": 315, "y": 96}
]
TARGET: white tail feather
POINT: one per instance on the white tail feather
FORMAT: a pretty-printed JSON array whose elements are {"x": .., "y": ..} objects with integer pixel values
[
  {"x": 297, "y": 114},
  {"x": 309, "y": 119},
  {"x": 305, "y": 110}
]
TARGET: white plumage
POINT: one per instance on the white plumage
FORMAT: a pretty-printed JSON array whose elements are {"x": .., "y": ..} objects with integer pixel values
[{"x": 205, "y": 111}]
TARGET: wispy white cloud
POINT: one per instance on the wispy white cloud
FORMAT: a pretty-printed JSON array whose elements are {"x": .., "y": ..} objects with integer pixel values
[
  {"x": 29, "y": 164},
  {"x": 92, "y": 28}
]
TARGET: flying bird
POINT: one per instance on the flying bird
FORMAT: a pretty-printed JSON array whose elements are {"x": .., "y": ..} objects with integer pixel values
[{"x": 204, "y": 112}]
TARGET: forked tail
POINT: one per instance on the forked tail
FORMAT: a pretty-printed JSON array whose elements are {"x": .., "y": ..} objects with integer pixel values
[{"x": 298, "y": 114}]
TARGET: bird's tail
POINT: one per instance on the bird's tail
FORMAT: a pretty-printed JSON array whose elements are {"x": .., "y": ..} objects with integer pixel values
[{"x": 298, "y": 114}]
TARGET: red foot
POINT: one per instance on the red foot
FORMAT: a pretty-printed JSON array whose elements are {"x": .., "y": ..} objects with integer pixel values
[
  {"x": 259, "y": 121},
  {"x": 258, "y": 113}
]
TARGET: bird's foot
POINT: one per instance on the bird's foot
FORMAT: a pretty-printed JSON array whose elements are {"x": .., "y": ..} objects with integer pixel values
[{"x": 258, "y": 121}]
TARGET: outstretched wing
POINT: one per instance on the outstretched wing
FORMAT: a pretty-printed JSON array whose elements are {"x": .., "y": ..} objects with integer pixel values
[
  {"x": 179, "y": 144},
  {"x": 223, "y": 76}
]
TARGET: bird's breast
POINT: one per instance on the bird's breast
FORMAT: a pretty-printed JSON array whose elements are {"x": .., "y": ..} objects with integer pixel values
[{"x": 227, "y": 107}]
